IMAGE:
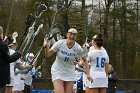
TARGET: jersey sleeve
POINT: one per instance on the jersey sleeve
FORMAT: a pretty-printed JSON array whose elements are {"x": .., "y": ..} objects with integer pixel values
[
  {"x": 107, "y": 61},
  {"x": 107, "y": 57},
  {"x": 80, "y": 52},
  {"x": 88, "y": 57}
]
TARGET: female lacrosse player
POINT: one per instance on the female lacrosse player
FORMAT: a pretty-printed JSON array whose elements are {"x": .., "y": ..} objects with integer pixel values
[
  {"x": 99, "y": 61},
  {"x": 63, "y": 69}
]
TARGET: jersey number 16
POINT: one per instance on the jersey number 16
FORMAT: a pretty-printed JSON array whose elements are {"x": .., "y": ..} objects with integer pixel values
[{"x": 100, "y": 62}]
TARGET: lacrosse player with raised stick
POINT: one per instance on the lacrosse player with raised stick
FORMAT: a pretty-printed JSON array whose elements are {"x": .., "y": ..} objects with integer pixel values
[
  {"x": 15, "y": 80},
  {"x": 63, "y": 69}
]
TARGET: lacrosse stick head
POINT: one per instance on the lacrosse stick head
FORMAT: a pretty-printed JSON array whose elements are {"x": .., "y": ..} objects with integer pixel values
[
  {"x": 60, "y": 4},
  {"x": 15, "y": 34},
  {"x": 30, "y": 19},
  {"x": 59, "y": 37},
  {"x": 41, "y": 9},
  {"x": 52, "y": 33},
  {"x": 39, "y": 74},
  {"x": 90, "y": 17},
  {"x": 30, "y": 57},
  {"x": 37, "y": 24},
  {"x": 46, "y": 38}
]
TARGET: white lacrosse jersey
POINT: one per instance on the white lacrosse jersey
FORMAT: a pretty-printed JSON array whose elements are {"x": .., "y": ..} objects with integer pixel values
[
  {"x": 17, "y": 82},
  {"x": 98, "y": 59},
  {"x": 12, "y": 65},
  {"x": 93, "y": 48},
  {"x": 63, "y": 67},
  {"x": 28, "y": 77}
]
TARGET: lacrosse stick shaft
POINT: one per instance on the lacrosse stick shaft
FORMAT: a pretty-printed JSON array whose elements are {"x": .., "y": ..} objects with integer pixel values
[
  {"x": 28, "y": 37},
  {"x": 37, "y": 55},
  {"x": 33, "y": 39}
]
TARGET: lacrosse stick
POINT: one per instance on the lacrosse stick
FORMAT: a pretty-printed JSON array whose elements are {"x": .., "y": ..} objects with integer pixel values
[
  {"x": 34, "y": 37},
  {"x": 50, "y": 36},
  {"x": 47, "y": 37},
  {"x": 31, "y": 38},
  {"x": 54, "y": 29},
  {"x": 14, "y": 35},
  {"x": 30, "y": 19},
  {"x": 40, "y": 10}
]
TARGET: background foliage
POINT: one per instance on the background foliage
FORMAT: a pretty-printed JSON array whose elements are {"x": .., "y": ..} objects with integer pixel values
[{"x": 118, "y": 20}]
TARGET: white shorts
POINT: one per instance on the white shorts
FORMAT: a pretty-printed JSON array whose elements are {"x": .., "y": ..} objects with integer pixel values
[
  {"x": 56, "y": 76},
  {"x": 17, "y": 83},
  {"x": 22, "y": 85},
  {"x": 99, "y": 83}
]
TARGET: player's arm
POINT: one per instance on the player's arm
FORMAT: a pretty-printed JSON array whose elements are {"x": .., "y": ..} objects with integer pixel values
[
  {"x": 107, "y": 68},
  {"x": 48, "y": 52},
  {"x": 85, "y": 62}
]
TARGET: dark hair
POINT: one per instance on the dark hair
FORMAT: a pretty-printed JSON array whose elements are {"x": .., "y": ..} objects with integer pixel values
[
  {"x": 73, "y": 26},
  {"x": 9, "y": 40},
  {"x": 98, "y": 39}
]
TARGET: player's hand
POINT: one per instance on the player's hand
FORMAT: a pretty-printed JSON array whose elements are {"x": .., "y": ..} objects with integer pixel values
[
  {"x": 29, "y": 66},
  {"x": 45, "y": 44},
  {"x": 85, "y": 47},
  {"x": 90, "y": 78}
]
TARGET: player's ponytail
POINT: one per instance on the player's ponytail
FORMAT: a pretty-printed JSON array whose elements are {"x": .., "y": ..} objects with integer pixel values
[{"x": 99, "y": 39}]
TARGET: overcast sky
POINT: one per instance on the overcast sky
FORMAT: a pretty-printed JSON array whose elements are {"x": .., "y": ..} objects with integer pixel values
[{"x": 94, "y": 2}]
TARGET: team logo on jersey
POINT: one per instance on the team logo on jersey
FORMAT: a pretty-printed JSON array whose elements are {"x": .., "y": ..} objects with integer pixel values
[{"x": 67, "y": 53}]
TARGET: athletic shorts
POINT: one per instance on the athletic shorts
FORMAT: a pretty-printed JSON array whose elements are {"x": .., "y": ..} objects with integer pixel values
[
  {"x": 99, "y": 83},
  {"x": 17, "y": 83},
  {"x": 58, "y": 76}
]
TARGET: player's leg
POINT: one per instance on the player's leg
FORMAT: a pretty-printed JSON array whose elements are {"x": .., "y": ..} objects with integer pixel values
[
  {"x": 68, "y": 86},
  {"x": 58, "y": 86}
]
